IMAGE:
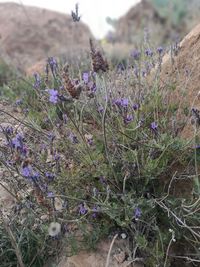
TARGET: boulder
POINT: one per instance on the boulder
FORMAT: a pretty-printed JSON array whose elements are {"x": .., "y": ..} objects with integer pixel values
[{"x": 181, "y": 72}]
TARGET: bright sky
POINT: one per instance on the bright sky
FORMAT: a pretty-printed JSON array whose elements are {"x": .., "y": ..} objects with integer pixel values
[{"x": 94, "y": 12}]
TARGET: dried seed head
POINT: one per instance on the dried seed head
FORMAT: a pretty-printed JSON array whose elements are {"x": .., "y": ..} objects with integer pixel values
[
  {"x": 73, "y": 90},
  {"x": 66, "y": 67},
  {"x": 54, "y": 229},
  {"x": 75, "y": 15},
  {"x": 195, "y": 117},
  {"x": 98, "y": 62}
]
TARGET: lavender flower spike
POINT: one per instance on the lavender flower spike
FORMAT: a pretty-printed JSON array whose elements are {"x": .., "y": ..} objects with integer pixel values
[
  {"x": 137, "y": 213},
  {"x": 86, "y": 77},
  {"x": 154, "y": 126},
  {"x": 53, "y": 96}
]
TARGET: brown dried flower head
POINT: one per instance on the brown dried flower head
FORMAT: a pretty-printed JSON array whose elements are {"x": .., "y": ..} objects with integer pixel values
[
  {"x": 73, "y": 90},
  {"x": 98, "y": 62}
]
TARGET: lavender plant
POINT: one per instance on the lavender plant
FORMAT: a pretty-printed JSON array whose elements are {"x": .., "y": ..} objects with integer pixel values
[{"x": 100, "y": 152}]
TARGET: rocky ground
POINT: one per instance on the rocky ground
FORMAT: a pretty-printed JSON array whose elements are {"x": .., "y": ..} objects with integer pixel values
[
  {"x": 183, "y": 73},
  {"x": 99, "y": 258}
]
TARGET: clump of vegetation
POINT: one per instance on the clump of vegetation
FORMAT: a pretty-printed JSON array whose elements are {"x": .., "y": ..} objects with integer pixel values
[
  {"x": 6, "y": 73},
  {"x": 100, "y": 153}
]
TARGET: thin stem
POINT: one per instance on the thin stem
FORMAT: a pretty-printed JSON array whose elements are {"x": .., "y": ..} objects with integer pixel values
[
  {"x": 12, "y": 240},
  {"x": 110, "y": 249}
]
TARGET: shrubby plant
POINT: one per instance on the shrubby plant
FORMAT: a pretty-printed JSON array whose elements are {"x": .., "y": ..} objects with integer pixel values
[
  {"x": 6, "y": 73},
  {"x": 98, "y": 154}
]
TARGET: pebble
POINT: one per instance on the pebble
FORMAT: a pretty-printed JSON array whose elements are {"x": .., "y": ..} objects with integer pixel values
[{"x": 44, "y": 217}]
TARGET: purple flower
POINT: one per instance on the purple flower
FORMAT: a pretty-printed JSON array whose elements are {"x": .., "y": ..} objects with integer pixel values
[
  {"x": 27, "y": 171},
  {"x": 38, "y": 81},
  {"x": 117, "y": 102},
  {"x": 121, "y": 102},
  {"x": 154, "y": 126},
  {"x": 149, "y": 52},
  {"x": 50, "y": 194},
  {"x": 17, "y": 142},
  {"x": 94, "y": 74},
  {"x": 136, "y": 54},
  {"x": 90, "y": 142},
  {"x": 124, "y": 102},
  {"x": 160, "y": 50},
  {"x": 100, "y": 109},
  {"x": 42, "y": 147},
  {"x": 24, "y": 150},
  {"x": 51, "y": 136},
  {"x": 86, "y": 77},
  {"x": 136, "y": 106},
  {"x": 82, "y": 209},
  {"x": 35, "y": 180},
  {"x": 43, "y": 186},
  {"x": 53, "y": 96},
  {"x": 95, "y": 210},
  {"x": 20, "y": 137},
  {"x": 102, "y": 180},
  {"x": 10, "y": 162},
  {"x": 137, "y": 213},
  {"x": 52, "y": 63},
  {"x": 92, "y": 86},
  {"x": 75, "y": 81},
  {"x": 73, "y": 138},
  {"x": 128, "y": 118},
  {"x": 120, "y": 67},
  {"x": 18, "y": 102},
  {"x": 9, "y": 130},
  {"x": 143, "y": 73},
  {"x": 50, "y": 176},
  {"x": 56, "y": 157}
]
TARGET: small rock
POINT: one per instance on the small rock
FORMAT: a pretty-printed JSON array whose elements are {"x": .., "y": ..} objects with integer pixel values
[
  {"x": 44, "y": 217},
  {"x": 123, "y": 236},
  {"x": 58, "y": 203},
  {"x": 6, "y": 199}
]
